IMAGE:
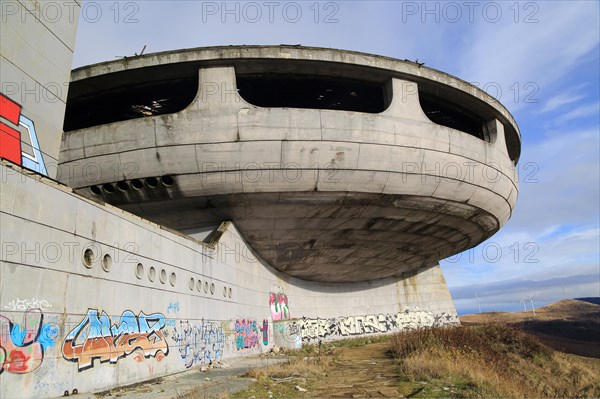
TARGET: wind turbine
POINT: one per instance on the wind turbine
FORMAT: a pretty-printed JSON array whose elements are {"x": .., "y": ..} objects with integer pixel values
[
  {"x": 477, "y": 300},
  {"x": 532, "y": 307},
  {"x": 524, "y": 306}
]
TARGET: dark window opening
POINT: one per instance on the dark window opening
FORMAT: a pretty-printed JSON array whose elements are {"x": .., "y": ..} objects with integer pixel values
[
  {"x": 156, "y": 98},
  {"x": 314, "y": 92},
  {"x": 451, "y": 115}
]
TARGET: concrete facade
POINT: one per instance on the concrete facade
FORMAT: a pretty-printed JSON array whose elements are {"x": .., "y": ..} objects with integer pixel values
[
  {"x": 36, "y": 53},
  {"x": 320, "y": 194},
  {"x": 93, "y": 297},
  {"x": 255, "y": 226}
]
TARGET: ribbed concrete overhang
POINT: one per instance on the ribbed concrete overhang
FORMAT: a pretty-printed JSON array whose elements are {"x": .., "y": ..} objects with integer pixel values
[{"x": 321, "y": 194}]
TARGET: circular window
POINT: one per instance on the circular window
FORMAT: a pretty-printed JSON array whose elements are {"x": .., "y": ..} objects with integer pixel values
[
  {"x": 137, "y": 184},
  {"x": 108, "y": 188},
  {"x": 225, "y": 291},
  {"x": 172, "y": 279},
  {"x": 167, "y": 180},
  {"x": 212, "y": 288},
  {"x": 192, "y": 283},
  {"x": 123, "y": 186},
  {"x": 152, "y": 273},
  {"x": 199, "y": 285},
  {"x": 96, "y": 190},
  {"x": 206, "y": 286},
  {"x": 88, "y": 258},
  {"x": 163, "y": 276},
  {"x": 139, "y": 271},
  {"x": 229, "y": 292},
  {"x": 152, "y": 182},
  {"x": 107, "y": 262}
]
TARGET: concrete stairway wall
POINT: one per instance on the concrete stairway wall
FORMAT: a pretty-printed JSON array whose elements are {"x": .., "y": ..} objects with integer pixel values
[{"x": 92, "y": 297}]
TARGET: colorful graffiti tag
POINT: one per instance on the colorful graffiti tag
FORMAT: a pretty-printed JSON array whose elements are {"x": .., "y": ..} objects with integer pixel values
[
  {"x": 265, "y": 332},
  {"x": 278, "y": 302},
  {"x": 97, "y": 338},
  {"x": 22, "y": 347},
  {"x": 200, "y": 344},
  {"x": 11, "y": 142},
  {"x": 316, "y": 329},
  {"x": 246, "y": 334}
]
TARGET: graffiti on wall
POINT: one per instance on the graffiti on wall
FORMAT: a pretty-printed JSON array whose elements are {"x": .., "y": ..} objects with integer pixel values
[
  {"x": 278, "y": 302},
  {"x": 172, "y": 311},
  {"x": 202, "y": 343},
  {"x": 97, "y": 338},
  {"x": 246, "y": 334},
  {"x": 13, "y": 146},
  {"x": 24, "y": 304},
  {"x": 265, "y": 332},
  {"x": 22, "y": 347},
  {"x": 289, "y": 332},
  {"x": 316, "y": 329}
]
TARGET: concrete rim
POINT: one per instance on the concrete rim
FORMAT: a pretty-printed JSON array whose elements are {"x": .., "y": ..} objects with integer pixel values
[{"x": 203, "y": 54}]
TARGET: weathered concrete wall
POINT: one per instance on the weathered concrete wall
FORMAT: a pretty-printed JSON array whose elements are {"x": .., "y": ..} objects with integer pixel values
[
  {"x": 92, "y": 297},
  {"x": 36, "y": 52},
  {"x": 395, "y": 179}
]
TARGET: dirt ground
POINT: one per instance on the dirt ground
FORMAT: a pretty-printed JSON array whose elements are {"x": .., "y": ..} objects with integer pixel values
[
  {"x": 360, "y": 370},
  {"x": 368, "y": 371}
]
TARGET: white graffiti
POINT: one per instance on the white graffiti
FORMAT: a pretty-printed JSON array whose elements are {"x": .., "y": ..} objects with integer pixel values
[
  {"x": 25, "y": 304},
  {"x": 315, "y": 329},
  {"x": 202, "y": 343}
]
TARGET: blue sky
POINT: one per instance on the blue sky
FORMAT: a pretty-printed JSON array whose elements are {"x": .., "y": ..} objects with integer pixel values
[{"x": 540, "y": 59}]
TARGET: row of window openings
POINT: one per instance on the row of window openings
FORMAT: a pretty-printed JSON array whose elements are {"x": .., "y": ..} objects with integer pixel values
[
  {"x": 135, "y": 184},
  {"x": 106, "y": 263}
]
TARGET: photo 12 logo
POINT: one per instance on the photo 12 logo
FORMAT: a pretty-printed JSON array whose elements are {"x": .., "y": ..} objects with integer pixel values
[
  {"x": 18, "y": 138},
  {"x": 270, "y": 11}
]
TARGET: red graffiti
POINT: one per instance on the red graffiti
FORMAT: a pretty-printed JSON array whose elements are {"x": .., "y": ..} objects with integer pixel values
[
  {"x": 20, "y": 348},
  {"x": 18, "y": 362}
]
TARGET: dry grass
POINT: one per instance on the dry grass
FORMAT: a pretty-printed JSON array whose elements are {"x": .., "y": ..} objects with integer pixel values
[
  {"x": 280, "y": 380},
  {"x": 495, "y": 361},
  {"x": 296, "y": 367}
]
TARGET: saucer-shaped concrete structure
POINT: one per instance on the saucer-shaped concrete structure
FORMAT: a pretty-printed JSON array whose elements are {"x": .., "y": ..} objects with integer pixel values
[{"x": 335, "y": 166}]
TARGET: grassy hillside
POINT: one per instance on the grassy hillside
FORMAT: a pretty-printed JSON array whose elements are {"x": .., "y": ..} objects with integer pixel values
[
  {"x": 571, "y": 326},
  {"x": 485, "y": 361},
  {"x": 494, "y": 361},
  {"x": 492, "y": 355}
]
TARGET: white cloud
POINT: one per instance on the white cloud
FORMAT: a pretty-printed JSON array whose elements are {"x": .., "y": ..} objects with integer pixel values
[
  {"x": 583, "y": 111},
  {"x": 509, "y": 53},
  {"x": 559, "y": 180},
  {"x": 559, "y": 101}
]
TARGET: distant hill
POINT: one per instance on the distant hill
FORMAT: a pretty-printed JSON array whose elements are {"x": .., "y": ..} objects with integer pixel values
[
  {"x": 570, "y": 325},
  {"x": 594, "y": 300}
]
